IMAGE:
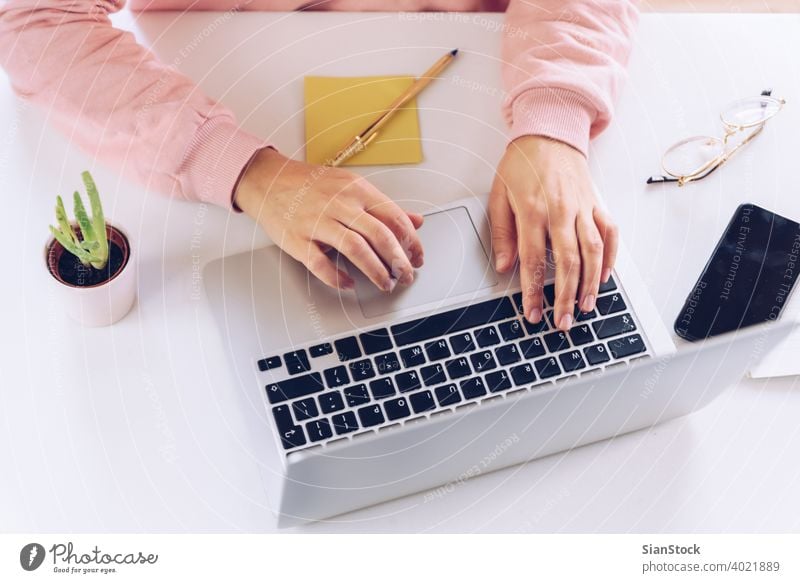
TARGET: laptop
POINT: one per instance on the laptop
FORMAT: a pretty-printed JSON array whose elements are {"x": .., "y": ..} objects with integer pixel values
[{"x": 370, "y": 396}]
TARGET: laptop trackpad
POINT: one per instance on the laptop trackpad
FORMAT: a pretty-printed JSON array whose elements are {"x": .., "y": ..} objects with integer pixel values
[{"x": 455, "y": 263}]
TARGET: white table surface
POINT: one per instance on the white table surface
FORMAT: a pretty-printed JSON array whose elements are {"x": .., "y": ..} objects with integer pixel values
[{"x": 138, "y": 427}]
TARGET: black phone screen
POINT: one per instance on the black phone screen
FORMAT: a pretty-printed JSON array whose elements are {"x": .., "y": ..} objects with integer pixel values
[{"x": 749, "y": 277}]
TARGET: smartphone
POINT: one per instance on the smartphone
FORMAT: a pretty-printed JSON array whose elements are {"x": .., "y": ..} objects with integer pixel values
[{"x": 748, "y": 279}]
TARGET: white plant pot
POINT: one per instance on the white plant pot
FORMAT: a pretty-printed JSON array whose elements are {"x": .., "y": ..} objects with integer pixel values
[{"x": 101, "y": 304}]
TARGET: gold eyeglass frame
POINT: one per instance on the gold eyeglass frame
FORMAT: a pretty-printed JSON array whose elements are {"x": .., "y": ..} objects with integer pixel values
[{"x": 726, "y": 154}]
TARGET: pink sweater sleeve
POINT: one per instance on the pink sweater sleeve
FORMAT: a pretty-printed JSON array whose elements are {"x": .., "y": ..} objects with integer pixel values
[
  {"x": 116, "y": 101},
  {"x": 564, "y": 64}
]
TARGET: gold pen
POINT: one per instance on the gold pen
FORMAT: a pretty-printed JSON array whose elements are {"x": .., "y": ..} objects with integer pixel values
[{"x": 363, "y": 139}]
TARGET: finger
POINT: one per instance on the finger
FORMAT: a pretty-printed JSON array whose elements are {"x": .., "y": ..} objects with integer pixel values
[
  {"x": 398, "y": 221},
  {"x": 591, "y": 248},
  {"x": 568, "y": 270},
  {"x": 610, "y": 234},
  {"x": 353, "y": 246},
  {"x": 532, "y": 267},
  {"x": 416, "y": 219},
  {"x": 504, "y": 231},
  {"x": 318, "y": 263},
  {"x": 382, "y": 241}
]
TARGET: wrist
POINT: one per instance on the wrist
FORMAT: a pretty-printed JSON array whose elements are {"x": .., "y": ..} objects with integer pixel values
[{"x": 256, "y": 175}]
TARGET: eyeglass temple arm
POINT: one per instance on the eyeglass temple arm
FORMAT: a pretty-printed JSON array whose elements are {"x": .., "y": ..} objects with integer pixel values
[{"x": 661, "y": 179}]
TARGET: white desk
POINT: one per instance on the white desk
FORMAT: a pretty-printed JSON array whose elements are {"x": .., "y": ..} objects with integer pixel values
[{"x": 137, "y": 427}]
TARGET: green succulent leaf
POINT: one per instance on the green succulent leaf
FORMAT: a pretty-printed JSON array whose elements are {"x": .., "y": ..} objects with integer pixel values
[
  {"x": 98, "y": 218},
  {"x": 83, "y": 218},
  {"x": 63, "y": 222},
  {"x": 70, "y": 246}
]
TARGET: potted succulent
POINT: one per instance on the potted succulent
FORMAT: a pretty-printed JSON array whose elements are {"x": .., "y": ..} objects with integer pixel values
[{"x": 91, "y": 261}]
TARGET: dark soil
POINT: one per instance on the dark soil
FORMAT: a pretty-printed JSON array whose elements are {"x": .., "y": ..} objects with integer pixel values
[{"x": 76, "y": 273}]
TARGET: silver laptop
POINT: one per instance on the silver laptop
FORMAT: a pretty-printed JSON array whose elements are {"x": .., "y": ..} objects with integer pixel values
[{"x": 371, "y": 396}]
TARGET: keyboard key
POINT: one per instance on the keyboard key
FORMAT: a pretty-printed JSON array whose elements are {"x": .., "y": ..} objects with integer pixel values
[
  {"x": 347, "y": 348},
  {"x": 448, "y": 395},
  {"x": 296, "y": 362},
  {"x": 487, "y": 336},
  {"x": 294, "y": 387},
  {"x": 396, "y": 409},
  {"x": 608, "y": 286},
  {"x": 305, "y": 409},
  {"x": 283, "y": 420},
  {"x": 361, "y": 370},
  {"x": 437, "y": 350},
  {"x": 517, "y": 299},
  {"x": 511, "y": 330},
  {"x": 356, "y": 395},
  {"x": 556, "y": 341},
  {"x": 462, "y": 343},
  {"x": 376, "y": 341},
  {"x": 320, "y": 350},
  {"x": 457, "y": 368},
  {"x": 452, "y": 321},
  {"x": 508, "y": 354},
  {"x": 433, "y": 375},
  {"x": 572, "y": 361},
  {"x": 293, "y": 437},
  {"x": 585, "y": 316},
  {"x": 498, "y": 381},
  {"x": 532, "y": 347},
  {"x": 382, "y": 388},
  {"x": 473, "y": 388},
  {"x": 344, "y": 423},
  {"x": 550, "y": 294},
  {"x": 610, "y": 304},
  {"x": 319, "y": 430},
  {"x": 614, "y": 326},
  {"x": 581, "y": 335},
  {"x": 331, "y": 402},
  {"x": 422, "y": 401},
  {"x": 523, "y": 374},
  {"x": 622, "y": 347},
  {"x": 269, "y": 363},
  {"x": 483, "y": 361},
  {"x": 547, "y": 367},
  {"x": 597, "y": 354},
  {"x": 387, "y": 363},
  {"x": 537, "y": 328},
  {"x": 336, "y": 376},
  {"x": 407, "y": 381},
  {"x": 370, "y": 416},
  {"x": 412, "y": 357}
]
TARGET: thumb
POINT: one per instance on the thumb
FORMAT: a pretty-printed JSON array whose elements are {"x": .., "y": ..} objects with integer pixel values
[{"x": 504, "y": 230}]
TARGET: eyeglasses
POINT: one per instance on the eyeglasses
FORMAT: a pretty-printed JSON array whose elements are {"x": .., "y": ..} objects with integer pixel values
[{"x": 696, "y": 157}]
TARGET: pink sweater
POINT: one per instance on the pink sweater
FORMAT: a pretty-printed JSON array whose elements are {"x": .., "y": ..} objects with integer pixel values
[{"x": 563, "y": 66}]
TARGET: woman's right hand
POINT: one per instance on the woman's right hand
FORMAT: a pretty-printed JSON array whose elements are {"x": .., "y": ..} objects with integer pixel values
[{"x": 308, "y": 209}]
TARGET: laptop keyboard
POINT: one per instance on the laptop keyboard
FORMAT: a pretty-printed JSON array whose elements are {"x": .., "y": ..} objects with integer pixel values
[{"x": 360, "y": 382}]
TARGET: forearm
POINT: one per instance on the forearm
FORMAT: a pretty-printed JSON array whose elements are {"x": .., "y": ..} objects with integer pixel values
[
  {"x": 564, "y": 65},
  {"x": 117, "y": 102}
]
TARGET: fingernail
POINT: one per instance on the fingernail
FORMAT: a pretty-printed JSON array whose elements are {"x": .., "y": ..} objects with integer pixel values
[
  {"x": 535, "y": 315},
  {"x": 500, "y": 261},
  {"x": 588, "y": 303},
  {"x": 606, "y": 274},
  {"x": 566, "y": 322},
  {"x": 345, "y": 282},
  {"x": 389, "y": 285}
]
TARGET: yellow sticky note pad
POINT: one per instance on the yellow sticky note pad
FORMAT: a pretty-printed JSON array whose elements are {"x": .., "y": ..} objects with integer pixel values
[{"x": 339, "y": 108}]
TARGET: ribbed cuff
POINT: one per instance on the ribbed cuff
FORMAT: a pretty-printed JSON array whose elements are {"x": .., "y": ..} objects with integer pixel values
[
  {"x": 215, "y": 160},
  {"x": 560, "y": 114}
]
